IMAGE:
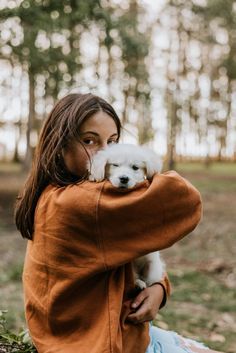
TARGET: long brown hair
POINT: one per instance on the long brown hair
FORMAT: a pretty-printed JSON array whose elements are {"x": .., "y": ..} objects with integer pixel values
[{"x": 60, "y": 128}]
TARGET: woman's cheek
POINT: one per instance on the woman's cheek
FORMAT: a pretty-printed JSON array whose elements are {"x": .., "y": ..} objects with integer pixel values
[
  {"x": 76, "y": 160},
  {"x": 81, "y": 162}
]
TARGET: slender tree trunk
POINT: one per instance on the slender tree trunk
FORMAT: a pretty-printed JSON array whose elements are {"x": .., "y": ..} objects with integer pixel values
[
  {"x": 125, "y": 115},
  {"x": 172, "y": 126},
  {"x": 31, "y": 118},
  {"x": 98, "y": 59},
  {"x": 109, "y": 78},
  {"x": 144, "y": 124},
  {"x": 173, "y": 78},
  {"x": 16, "y": 157}
]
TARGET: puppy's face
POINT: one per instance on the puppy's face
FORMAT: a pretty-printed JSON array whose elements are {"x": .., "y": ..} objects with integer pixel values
[
  {"x": 124, "y": 165},
  {"x": 125, "y": 174}
]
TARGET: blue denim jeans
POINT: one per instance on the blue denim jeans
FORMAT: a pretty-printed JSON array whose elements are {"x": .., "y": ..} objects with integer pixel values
[{"x": 162, "y": 341}]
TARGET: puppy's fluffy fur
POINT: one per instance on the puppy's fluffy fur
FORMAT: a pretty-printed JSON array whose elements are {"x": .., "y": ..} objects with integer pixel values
[{"x": 125, "y": 166}]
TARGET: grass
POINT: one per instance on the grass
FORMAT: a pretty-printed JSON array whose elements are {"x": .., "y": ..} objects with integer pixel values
[
  {"x": 11, "y": 342},
  {"x": 205, "y": 289},
  {"x": 218, "y": 177},
  {"x": 12, "y": 273},
  {"x": 202, "y": 267},
  {"x": 9, "y": 167},
  {"x": 201, "y": 308},
  {"x": 215, "y": 168}
]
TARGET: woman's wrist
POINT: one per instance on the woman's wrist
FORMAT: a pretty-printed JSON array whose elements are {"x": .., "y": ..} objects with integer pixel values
[{"x": 163, "y": 302}]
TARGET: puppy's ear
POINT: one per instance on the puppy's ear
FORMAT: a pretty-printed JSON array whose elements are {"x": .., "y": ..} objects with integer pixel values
[
  {"x": 97, "y": 167},
  {"x": 153, "y": 163}
]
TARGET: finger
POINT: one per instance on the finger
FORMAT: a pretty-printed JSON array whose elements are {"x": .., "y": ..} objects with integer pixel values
[
  {"x": 142, "y": 314},
  {"x": 139, "y": 299},
  {"x": 136, "y": 319}
]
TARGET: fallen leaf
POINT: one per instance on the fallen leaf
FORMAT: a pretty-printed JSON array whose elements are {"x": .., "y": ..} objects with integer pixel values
[{"x": 216, "y": 337}]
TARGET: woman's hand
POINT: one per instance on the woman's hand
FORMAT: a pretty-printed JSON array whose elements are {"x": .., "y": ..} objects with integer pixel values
[{"x": 146, "y": 305}]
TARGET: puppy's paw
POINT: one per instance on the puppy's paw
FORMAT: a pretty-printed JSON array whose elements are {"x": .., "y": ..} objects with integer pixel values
[
  {"x": 93, "y": 178},
  {"x": 140, "y": 284}
]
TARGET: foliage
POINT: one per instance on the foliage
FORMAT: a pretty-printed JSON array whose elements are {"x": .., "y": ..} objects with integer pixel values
[
  {"x": 10, "y": 342},
  {"x": 223, "y": 13},
  {"x": 45, "y": 20}
]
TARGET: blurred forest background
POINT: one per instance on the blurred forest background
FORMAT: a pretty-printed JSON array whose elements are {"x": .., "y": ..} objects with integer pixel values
[{"x": 169, "y": 69}]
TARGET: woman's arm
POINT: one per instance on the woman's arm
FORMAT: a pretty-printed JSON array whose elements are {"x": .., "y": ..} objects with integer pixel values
[
  {"x": 151, "y": 217},
  {"x": 97, "y": 227}
]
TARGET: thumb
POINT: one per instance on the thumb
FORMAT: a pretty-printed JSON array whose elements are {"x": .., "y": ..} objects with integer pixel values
[{"x": 139, "y": 299}]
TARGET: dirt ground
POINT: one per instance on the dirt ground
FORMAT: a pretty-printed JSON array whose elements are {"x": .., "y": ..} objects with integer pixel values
[{"x": 202, "y": 267}]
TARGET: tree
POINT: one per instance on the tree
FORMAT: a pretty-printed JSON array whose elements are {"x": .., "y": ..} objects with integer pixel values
[
  {"x": 37, "y": 49},
  {"x": 220, "y": 19},
  {"x": 135, "y": 49}
]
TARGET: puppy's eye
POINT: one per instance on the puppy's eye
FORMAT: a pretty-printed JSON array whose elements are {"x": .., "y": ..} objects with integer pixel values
[
  {"x": 115, "y": 165},
  {"x": 134, "y": 167}
]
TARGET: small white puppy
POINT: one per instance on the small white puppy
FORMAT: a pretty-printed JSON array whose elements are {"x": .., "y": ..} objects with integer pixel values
[{"x": 125, "y": 166}]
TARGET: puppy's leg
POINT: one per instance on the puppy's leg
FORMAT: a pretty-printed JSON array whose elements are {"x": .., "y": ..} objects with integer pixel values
[
  {"x": 98, "y": 165},
  {"x": 141, "y": 268},
  {"x": 140, "y": 284},
  {"x": 156, "y": 268}
]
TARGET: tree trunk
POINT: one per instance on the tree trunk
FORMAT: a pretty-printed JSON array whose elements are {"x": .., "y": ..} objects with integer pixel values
[
  {"x": 109, "y": 78},
  {"x": 125, "y": 115},
  {"x": 16, "y": 157},
  {"x": 31, "y": 118},
  {"x": 172, "y": 126}
]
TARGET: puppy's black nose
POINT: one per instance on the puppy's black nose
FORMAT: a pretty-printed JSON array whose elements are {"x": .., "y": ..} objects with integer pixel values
[{"x": 124, "y": 179}]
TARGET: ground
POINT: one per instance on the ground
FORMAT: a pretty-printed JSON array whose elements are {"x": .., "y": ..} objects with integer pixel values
[{"x": 202, "y": 267}]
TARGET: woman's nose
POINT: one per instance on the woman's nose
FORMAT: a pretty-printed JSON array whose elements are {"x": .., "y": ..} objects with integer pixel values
[{"x": 104, "y": 145}]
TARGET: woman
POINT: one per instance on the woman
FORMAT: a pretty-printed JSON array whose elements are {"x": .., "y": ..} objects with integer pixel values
[{"x": 78, "y": 280}]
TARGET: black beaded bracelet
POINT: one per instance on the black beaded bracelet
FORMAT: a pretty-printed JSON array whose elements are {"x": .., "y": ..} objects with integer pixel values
[{"x": 164, "y": 296}]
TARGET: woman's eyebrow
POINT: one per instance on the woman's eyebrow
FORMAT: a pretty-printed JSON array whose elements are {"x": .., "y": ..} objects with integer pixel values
[{"x": 95, "y": 133}]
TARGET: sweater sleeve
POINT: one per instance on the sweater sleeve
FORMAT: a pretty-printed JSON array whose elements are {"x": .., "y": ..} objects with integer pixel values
[{"x": 151, "y": 217}]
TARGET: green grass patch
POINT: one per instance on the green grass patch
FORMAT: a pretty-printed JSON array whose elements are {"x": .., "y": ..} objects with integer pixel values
[
  {"x": 10, "y": 168},
  {"x": 204, "y": 289},
  {"x": 228, "y": 346},
  {"x": 218, "y": 177},
  {"x": 198, "y": 307},
  {"x": 12, "y": 273},
  {"x": 11, "y": 342},
  {"x": 215, "y": 168},
  {"x": 209, "y": 185}
]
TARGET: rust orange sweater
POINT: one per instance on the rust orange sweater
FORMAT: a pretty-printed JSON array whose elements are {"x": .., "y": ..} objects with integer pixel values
[{"x": 77, "y": 273}]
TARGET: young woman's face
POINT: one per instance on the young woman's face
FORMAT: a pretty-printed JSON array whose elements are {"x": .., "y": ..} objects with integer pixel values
[{"x": 96, "y": 133}]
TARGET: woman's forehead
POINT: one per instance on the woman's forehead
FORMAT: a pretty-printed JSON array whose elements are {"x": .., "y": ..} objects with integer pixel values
[{"x": 99, "y": 123}]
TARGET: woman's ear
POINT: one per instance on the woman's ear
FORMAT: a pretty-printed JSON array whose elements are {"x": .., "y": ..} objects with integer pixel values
[
  {"x": 153, "y": 163},
  {"x": 97, "y": 166}
]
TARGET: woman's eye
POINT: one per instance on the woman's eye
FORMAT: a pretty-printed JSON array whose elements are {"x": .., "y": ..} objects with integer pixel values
[
  {"x": 111, "y": 142},
  {"x": 88, "y": 141},
  {"x": 134, "y": 167}
]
